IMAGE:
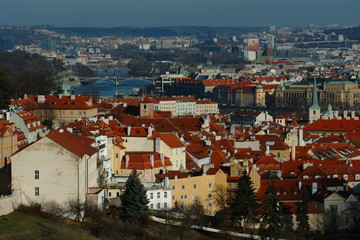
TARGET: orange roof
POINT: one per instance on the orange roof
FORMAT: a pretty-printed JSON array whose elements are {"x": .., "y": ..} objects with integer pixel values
[
  {"x": 142, "y": 161},
  {"x": 171, "y": 140},
  {"x": 73, "y": 143},
  {"x": 336, "y": 125}
]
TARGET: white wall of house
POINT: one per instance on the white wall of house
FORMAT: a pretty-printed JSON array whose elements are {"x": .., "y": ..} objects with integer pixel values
[
  {"x": 207, "y": 108},
  {"x": 159, "y": 197},
  {"x": 138, "y": 144},
  {"x": 185, "y": 108},
  {"x": 61, "y": 174}
]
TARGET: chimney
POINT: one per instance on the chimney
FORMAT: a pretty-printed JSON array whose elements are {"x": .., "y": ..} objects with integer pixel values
[
  {"x": 128, "y": 130},
  {"x": 152, "y": 160},
  {"x": 127, "y": 158},
  {"x": 267, "y": 152},
  {"x": 162, "y": 159},
  {"x": 336, "y": 114},
  {"x": 293, "y": 151},
  {"x": 352, "y": 114},
  {"x": 300, "y": 185},
  {"x": 166, "y": 181},
  {"x": 111, "y": 118},
  {"x": 25, "y": 96},
  {"x": 72, "y": 97},
  {"x": 61, "y": 130},
  {"x": 60, "y": 96},
  {"x": 149, "y": 131},
  {"x": 301, "y": 137},
  {"x": 345, "y": 113},
  {"x": 314, "y": 187}
]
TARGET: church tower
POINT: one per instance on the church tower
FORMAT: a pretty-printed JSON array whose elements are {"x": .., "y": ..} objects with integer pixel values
[{"x": 314, "y": 109}]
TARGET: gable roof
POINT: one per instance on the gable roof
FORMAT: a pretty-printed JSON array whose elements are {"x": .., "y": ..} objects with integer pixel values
[{"x": 72, "y": 143}]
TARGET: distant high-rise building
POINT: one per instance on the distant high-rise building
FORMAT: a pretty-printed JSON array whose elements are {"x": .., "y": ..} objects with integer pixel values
[
  {"x": 271, "y": 41},
  {"x": 49, "y": 44},
  {"x": 272, "y": 29},
  {"x": 6, "y": 42}
]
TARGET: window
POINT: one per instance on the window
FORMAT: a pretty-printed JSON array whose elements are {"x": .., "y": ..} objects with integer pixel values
[
  {"x": 117, "y": 155},
  {"x": 173, "y": 197},
  {"x": 109, "y": 194},
  {"x": 158, "y": 195},
  {"x": 182, "y": 186},
  {"x": 118, "y": 194},
  {"x": 151, "y": 195},
  {"x": 185, "y": 196},
  {"x": 37, "y": 191},
  {"x": 209, "y": 195},
  {"x": 165, "y": 194},
  {"x": 158, "y": 205},
  {"x": 165, "y": 205},
  {"x": 194, "y": 185},
  {"x": 37, "y": 174},
  {"x": 278, "y": 154},
  {"x": 151, "y": 206},
  {"x": 210, "y": 185},
  {"x": 333, "y": 208}
]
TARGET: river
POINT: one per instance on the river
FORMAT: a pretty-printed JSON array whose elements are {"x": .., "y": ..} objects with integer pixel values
[{"x": 108, "y": 88}]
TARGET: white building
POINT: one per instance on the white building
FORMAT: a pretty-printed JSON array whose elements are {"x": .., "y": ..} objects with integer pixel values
[
  {"x": 58, "y": 167},
  {"x": 206, "y": 106},
  {"x": 29, "y": 124},
  {"x": 159, "y": 197}
]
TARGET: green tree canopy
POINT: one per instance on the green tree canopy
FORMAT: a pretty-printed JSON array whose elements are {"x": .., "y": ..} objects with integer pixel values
[
  {"x": 271, "y": 216},
  {"x": 134, "y": 200},
  {"x": 244, "y": 203}
]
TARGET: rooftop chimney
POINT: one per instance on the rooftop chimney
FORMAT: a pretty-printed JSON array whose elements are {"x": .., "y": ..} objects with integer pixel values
[
  {"x": 128, "y": 130},
  {"x": 162, "y": 159},
  {"x": 267, "y": 152},
  {"x": 152, "y": 160},
  {"x": 127, "y": 158}
]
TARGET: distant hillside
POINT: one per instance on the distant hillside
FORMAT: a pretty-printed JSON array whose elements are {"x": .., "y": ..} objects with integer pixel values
[
  {"x": 350, "y": 33},
  {"x": 156, "y": 31}
]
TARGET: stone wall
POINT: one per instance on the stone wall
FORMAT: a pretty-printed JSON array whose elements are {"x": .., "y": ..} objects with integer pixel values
[{"x": 10, "y": 203}]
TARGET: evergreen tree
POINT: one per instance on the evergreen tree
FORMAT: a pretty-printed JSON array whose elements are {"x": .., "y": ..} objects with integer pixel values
[
  {"x": 302, "y": 217},
  {"x": 244, "y": 203},
  {"x": 134, "y": 200},
  {"x": 271, "y": 223}
]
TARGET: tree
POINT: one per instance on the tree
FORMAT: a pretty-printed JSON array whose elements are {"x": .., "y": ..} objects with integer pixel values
[
  {"x": 302, "y": 217},
  {"x": 244, "y": 203},
  {"x": 271, "y": 217},
  {"x": 134, "y": 201}
]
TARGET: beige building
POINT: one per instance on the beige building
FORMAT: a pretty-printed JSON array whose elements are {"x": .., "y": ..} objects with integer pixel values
[
  {"x": 339, "y": 93},
  {"x": 8, "y": 141},
  {"x": 57, "y": 108},
  {"x": 58, "y": 167},
  {"x": 206, "y": 107},
  {"x": 186, "y": 188}
]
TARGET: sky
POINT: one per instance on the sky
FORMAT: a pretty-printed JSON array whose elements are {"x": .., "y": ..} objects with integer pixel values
[{"x": 150, "y": 13}]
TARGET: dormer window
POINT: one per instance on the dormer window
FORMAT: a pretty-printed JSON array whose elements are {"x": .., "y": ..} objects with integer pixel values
[
  {"x": 345, "y": 176},
  {"x": 357, "y": 176}
]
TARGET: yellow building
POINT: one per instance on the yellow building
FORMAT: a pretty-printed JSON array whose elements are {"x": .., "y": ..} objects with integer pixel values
[
  {"x": 186, "y": 187},
  {"x": 8, "y": 141}
]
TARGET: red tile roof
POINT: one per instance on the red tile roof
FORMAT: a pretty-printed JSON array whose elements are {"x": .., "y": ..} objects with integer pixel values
[
  {"x": 72, "y": 143},
  {"x": 334, "y": 125},
  {"x": 141, "y": 161},
  {"x": 171, "y": 140}
]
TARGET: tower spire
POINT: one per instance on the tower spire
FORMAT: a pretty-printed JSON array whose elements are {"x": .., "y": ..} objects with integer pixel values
[
  {"x": 315, "y": 102},
  {"x": 314, "y": 109}
]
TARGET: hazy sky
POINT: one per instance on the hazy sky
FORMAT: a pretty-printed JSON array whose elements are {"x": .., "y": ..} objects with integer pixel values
[{"x": 111, "y": 13}]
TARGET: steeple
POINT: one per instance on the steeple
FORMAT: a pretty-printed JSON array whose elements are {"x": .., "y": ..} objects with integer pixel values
[
  {"x": 314, "y": 109},
  {"x": 64, "y": 89},
  {"x": 315, "y": 103}
]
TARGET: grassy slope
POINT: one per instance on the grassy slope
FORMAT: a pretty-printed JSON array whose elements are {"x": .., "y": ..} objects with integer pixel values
[{"x": 18, "y": 223}]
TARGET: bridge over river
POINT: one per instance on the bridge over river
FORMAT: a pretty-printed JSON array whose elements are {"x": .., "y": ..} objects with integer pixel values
[{"x": 117, "y": 80}]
